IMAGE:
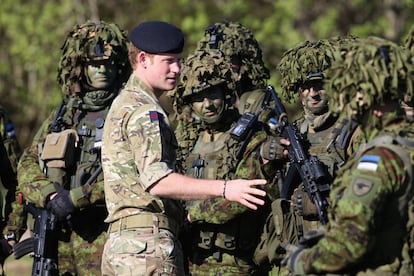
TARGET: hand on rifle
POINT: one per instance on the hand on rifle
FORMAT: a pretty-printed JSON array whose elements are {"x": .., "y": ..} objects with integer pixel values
[
  {"x": 61, "y": 203},
  {"x": 275, "y": 148}
]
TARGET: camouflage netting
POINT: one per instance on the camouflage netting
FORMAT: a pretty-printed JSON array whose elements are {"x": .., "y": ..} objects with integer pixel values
[
  {"x": 306, "y": 58},
  {"x": 79, "y": 47},
  {"x": 369, "y": 72},
  {"x": 239, "y": 45},
  {"x": 409, "y": 40},
  {"x": 200, "y": 71},
  {"x": 205, "y": 69}
]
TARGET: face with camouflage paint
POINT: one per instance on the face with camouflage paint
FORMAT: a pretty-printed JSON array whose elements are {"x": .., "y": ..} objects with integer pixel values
[
  {"x": 313, "y": 97},
  {"x": 209, "y": 104},
  {"x": 100, "y": 74}
]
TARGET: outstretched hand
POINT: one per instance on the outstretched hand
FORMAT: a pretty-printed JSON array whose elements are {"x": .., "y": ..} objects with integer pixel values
[{"x": 241, "y": 191}]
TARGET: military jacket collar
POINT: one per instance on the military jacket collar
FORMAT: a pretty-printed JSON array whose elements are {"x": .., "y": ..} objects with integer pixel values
[{"x": 135, "y": 84}]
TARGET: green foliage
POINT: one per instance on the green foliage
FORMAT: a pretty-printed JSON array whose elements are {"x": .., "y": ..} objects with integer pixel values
[{"x": 32, "y": 36}]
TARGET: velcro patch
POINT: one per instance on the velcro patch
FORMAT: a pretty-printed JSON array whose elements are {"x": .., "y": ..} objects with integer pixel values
[
  {"x": 362, "y": 186},
  {"x": 369, "y": 162},
  {"x": 153, "y": 116}
]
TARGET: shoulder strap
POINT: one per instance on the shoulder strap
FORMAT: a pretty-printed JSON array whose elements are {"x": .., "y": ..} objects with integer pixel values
[{"x": 345, "y": 134}]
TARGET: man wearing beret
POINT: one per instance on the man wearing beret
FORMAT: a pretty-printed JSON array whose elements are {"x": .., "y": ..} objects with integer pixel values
[{"x": 138, "y": 155}]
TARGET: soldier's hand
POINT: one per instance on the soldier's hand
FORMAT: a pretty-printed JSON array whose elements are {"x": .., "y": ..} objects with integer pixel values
[
  {"x": 294, "y": 264},
  {"x": 241, "y": 191},
  {"x": 275, "y": 148},
  {"x": 61, "y": 204},
  {"x": 6, "y": 249}
]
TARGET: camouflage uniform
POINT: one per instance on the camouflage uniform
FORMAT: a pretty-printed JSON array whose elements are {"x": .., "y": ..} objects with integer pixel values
[
  {"x": 66, "y": 149},
  {"x": 370, "y": 231},
  {"x": 330, "y": 138},
  {"x": 221, "y": 237},
  {"x": 10, "y": 222},
  {"x": 138, "y": 150}
]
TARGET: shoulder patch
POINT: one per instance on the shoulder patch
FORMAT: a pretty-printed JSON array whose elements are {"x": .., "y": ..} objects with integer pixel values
[
  {"x": 362, "y": 186},
  {"x": 153, "y": 116},
  {"x": 369, "y": 162}
]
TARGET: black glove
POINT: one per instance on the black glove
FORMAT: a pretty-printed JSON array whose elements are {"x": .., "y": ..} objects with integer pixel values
[
  {"x": 272, "y": 149},
  {"x": 61, "y": 205},
  {"x": 5, "y": 249}
]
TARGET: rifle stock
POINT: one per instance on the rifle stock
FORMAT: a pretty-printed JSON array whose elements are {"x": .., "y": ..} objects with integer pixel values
[{"x": 304, "y": 168}]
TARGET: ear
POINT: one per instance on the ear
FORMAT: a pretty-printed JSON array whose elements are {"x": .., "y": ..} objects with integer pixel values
[{"x": 142, "y": 59}]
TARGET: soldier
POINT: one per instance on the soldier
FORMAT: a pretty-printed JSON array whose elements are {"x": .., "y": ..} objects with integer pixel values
[
  {"x": 408, "y": 44},
  {"x": 243, "y": 52},
  {"x": 222, "y": 236},
  {"x": 10, "y": 154},
  {"x": 370, "y": 231},
  {"x": 138, "y": 155},
  {"x": 330, "y": 138},
  {"x": 61, "y": 170}
]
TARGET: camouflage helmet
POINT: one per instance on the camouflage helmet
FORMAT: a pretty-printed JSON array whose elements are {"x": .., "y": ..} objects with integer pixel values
[
  {"x": 409, "y": 40},
  {"x": 205, "y": 69},
  {"x": 91, "y": 41},
  {"x": 240, "y": 47},
  {"x": 369, "y": 72},
  {"x": 306, "y": 61},
  {"x": 409, "y": 47}
]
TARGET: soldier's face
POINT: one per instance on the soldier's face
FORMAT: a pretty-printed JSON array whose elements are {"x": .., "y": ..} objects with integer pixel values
[
  {"x": 209, "y": 104},
  {"x": 314, "y": 97},
  {"x": 100, "y": 74}
]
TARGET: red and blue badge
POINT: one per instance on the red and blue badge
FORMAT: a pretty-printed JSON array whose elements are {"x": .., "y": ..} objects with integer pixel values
[
  {"x": 153, "y": 116},
  {"x": 369, "y": 162}
]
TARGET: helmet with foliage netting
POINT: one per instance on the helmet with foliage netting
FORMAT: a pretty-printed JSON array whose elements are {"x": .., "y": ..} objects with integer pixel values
[
  {"x": 409, "y": 40},
  {"x": 240, "y": 47},
  {"x": 409, "y": 46},
  {"x": 205, "y": 69},
  {"x": 307, "y": 60},
  {"x": 87, "y": 42},
  {"x": 369, "y": 72}
]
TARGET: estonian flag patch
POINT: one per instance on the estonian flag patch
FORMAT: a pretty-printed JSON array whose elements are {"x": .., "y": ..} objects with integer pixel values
[
  {"x": 369, "y": 162},
  {"x": 153, "y": 116}
]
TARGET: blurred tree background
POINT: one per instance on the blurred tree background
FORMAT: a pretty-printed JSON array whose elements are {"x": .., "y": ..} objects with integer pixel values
[{"x": 32, "y": 33}]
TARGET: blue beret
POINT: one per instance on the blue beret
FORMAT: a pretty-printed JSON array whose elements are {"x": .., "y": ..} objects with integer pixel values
[{"x": 157, "y": 37}]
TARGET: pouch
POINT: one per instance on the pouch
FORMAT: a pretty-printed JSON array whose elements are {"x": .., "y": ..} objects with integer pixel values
[{"x": 59, "y": 148}]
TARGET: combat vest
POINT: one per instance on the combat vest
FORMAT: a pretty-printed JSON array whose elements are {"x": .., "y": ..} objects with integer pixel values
[
  {"x": 238, "y": 236},
  {"x": 330, "y": 145},
  {"x": 251, "y": 101},
  {"x": 72, "y": 155}
]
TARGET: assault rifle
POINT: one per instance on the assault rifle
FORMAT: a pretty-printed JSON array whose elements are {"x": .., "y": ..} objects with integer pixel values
[
  {"x": 45, "y": 241},
  {"x": 304, "y": 168}
]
